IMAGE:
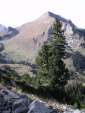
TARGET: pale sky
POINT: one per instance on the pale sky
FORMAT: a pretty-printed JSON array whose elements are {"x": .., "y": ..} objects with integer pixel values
[{"x": 17, "y": 12}]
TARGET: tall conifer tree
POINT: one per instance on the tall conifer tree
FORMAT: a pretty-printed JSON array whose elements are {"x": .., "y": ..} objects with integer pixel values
[{"x": 51, "y": 68}]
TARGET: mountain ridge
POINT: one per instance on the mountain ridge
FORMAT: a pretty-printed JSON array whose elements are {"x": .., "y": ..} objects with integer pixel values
[{"x": 24, "y": 45}]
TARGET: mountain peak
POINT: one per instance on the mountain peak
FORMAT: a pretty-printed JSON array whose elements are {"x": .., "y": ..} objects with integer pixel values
[
  {"x": 48, "y": 13},
  {"x": 53, "y": 15}
]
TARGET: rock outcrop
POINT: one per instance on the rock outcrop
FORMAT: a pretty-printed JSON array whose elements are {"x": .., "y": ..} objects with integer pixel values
[
  {"x": 7, "y": 32},
  {"x": 14, "y": 103},
  {"x": 11, "y": 102}
]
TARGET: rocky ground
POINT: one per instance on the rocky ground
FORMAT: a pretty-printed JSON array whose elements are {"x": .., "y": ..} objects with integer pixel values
[{"x": 11, "y": 102}]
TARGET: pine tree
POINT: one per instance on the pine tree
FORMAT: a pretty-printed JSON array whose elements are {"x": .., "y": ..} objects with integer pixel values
[
  {"x": 59, "y": 72},
  {"x": 43, "y": 65},
  {"x": 51, "y": 68}
]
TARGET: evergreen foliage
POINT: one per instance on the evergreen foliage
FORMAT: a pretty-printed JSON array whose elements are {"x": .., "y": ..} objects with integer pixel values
[{"x": 51, "y": 68}]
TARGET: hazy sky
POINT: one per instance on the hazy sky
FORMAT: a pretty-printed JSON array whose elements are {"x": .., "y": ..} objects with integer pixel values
[{"x": 17, "y": 12}]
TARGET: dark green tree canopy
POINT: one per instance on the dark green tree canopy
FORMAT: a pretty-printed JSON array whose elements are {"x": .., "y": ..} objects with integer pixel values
[{"x": 51, "y": 68}]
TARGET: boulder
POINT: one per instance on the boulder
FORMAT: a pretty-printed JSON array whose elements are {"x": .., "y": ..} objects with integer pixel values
[
  {"x": 38, "y": 107},
  {"x": 21, "y": 105},
  {"x": 11, "y": 102}
]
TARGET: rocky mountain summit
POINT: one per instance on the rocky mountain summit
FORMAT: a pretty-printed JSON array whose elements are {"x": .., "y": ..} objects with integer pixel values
[{"x": 11, "y": 102}]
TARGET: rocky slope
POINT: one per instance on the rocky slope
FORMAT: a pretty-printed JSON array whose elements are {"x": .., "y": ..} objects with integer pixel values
[
  {"x": 16, "y": 103},
  {"x": 11, "y": 102},
  {"x": 25, "y": 45}
]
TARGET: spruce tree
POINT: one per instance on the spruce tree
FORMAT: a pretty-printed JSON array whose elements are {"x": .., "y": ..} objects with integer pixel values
[
  {"x": 51, "y": 68},
  {"x": 42, "y": 60}
]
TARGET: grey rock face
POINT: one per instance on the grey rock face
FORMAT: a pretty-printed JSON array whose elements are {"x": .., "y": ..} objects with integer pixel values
[
  {"x": 74, "y": 36},
  {"x": 20, "y": 105},
  {"x": 38, "y": 107},
  {"x": 11, "y": 102}
]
